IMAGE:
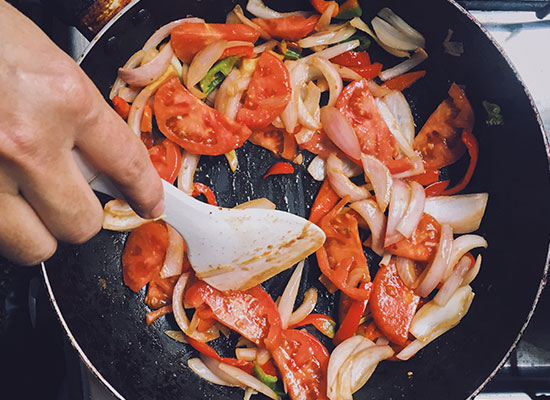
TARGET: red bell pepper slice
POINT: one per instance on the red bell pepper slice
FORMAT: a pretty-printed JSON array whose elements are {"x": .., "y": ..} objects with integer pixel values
[
  {"x": 201, "y": 188},
  {"x": 323, "y": 323},
  {"x": 436, "y": 188},
  {"x": 121, "y": 107},
  {"x": 370, "y": 71},
  {"x": 352, "y": 59},
  {"x": 351, "y": 321},
  {"x": 280, "y": 168},
  {"x": 205, "y": 349},
  {"x": 321, "y": 6},
  {"x": 241, "y": 51},
  {"x": 324, "y": 202},
  {"x": 404, "y": 81},
  {"x": 427, "y": 178},
  {"x": 146, "y": 124},
  {"x": 473, "y": 149}
]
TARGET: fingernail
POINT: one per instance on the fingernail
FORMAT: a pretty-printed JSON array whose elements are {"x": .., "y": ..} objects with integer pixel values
[{"x": 158, "y": 209}]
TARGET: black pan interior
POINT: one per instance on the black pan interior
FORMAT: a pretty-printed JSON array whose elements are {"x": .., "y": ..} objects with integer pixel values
[{"x": 108, "y": 320}]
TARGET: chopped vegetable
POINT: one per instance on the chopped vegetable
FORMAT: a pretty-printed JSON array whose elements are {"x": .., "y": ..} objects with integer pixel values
[
  {"x": 121, "y": 107},
  {"x": 349, "y": 9},
  {"x": 217, "y": 74},
  {"x": 323, "y": 323},
  {"x": 146, "y": 124},
  {"x": 288, "y": 28},
  {"x": 201, "y": 188},
  {"x": 494, "y": 117},
  {"x": 352, "y": 319},
  {"x": 280, "y": 168},
  {"x": 268, "y": 380},
  {"x": 404, "y": 81},
  {"x": 321, "y": 6}
]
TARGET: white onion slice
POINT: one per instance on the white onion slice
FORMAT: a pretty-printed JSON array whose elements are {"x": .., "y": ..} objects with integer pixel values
[
  {"x": 189, "y": 162},
  {"x": 369, "y": 211},
  {"x": 119, "y": 216},
  {"x": 228, "y": 99},
  {"x": 246, "y": 354},
  {"x": 260, "y": 10},
  {"x": 431, "y": 318},
  {"x": 149, "y": 72},
  {"x": 461, "y": 246},
  {"x": 214, "y": 366},
  {"x": 362, "y": 26},
  {"x": 453, "y": 282},
  {"x": 341, "y": 183},
  {"x": 339, "y": 356},
  {"x": 416, "y": 169},
  {"x": 177, "y": 302},
  {"x": 248, "y": 380},
  {"x": 298, "y": 72},
  {"x": 400, "y": 109},
  {"x": 136, "y": 111},
  {"x": 386, "y": 259},
  {"x": 377, "y": 90},
  {"x": 198, "y": 367},
  {"x": 326, "y": 17},
  {"x": 437, "y": 269},
  {"x": 366, "y": 361},
  {"x": 399, "y": 200},
  {"x": 463, "y": 212},
  {"x": 472, "y": 273},
  {"x": 306, "y": 308},
  {"x": 347, "y": 73},
  {"x": 392, "y": 37},
  {"x": 327, "y": 37},
  {"x": 414, "y": 212},
  {"x": 128, "y": 94},
  {"x": 340, "y": 131},
  {"x": 395, "y": 128},
  {"x": 161, "y": 33},
  {"x": 333, "y": 51},
  {"x": 380, "y": 177},
  {"x": 412, "y": 348},
  {"x": 419, "y": 56},
  {"x": 132, "y": 62},
  {"x": 318, "y": 169},
  {"x": 288, "y": 298},
  {"x": 406, "y": 271},
  {"x": 269, "y": 45},
  {"x": 398, "y": 23},
  {"x": 306, "y": 119},
  {"x": 332, "y": 76},
  {"x": 203, "y": 61},
  {"x": 173, "y": 261},
  {"x": 238, "y": 11},
  {"x": 262, "y": 203}
]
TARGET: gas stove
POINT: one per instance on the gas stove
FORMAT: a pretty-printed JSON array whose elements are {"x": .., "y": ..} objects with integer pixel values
[{"x": 521, "y": 28}]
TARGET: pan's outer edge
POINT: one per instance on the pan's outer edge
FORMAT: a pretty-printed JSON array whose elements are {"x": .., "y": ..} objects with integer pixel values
[
  {"x": 547, "y": 148},
  {"x": 542, "y": 285}
]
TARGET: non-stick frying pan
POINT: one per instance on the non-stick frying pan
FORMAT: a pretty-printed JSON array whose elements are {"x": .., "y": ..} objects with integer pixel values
[{"x": 106, "y": 321}]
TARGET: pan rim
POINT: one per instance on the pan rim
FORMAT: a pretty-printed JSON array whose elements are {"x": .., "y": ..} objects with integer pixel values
[{"x": 546, "y": 269}]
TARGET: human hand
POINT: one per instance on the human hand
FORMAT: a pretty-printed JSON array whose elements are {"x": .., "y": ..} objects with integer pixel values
[{"x": 49, "y": 106}]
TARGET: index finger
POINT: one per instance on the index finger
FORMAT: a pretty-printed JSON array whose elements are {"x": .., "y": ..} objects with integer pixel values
[{"x": 111, "y": 146}]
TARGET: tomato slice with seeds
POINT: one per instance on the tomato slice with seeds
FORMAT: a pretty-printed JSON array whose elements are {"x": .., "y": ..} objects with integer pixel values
[
  {"x": 392, "y": 304},
  {"x": 144, "y": 254},
  {"x": 166, "y": 158},
  {"x": 251, "y": 312},
  {"x": 421, "y": 246},
  {"x": 268, "y": 93},
  {"x": 193, "y": 125},
  {"x": 440, "y": 139},
  {"x": 358, "y": 105},
  {"x": 302, "y": 361}
]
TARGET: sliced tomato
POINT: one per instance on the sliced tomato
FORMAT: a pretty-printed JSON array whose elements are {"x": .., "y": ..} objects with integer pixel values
[
  {"x": 325, "y": 201},
  {"x": 440, "y": 141},
  {"x": 166, "y": 158},
  {"x": 473, "y": 150},
  {"x": 147, "y": 139},
  {"x": 121, "y": 107},
  {"x": 358, "y": 105},
  {"x": 268, "y": 93},
  {"x": 342, "y": 257},
  {"x": 370, "y": 331},
  {"x": 320, "y": 144},
  {"x": 352, "y": 59},
  {"x": 144, "y": 254},
  {"x": 160, "y": 290},
  {"x": 392, "y": 304},
  {"x": 240, "y": 51},
  {"x": 252, "y": 312},
  {"x": 269, "y": 138},
  {"x": 188, "y": 38},
  {"x": 302, "y": 361},
  {"x": 428, "y": 177},
  {"x": 193, "y": 125},
  {"x": 322, "y": 5},
  {"x": 152, "y": 316},
  {"x": 402, "y": 82},
  {"x": 421, "y": 246},
  {"x": 146, "y": 124},
  {"x": 291, "y": 28},
  {"x": 368, "y": 71},
  {"x": 323, "y": 323}
]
